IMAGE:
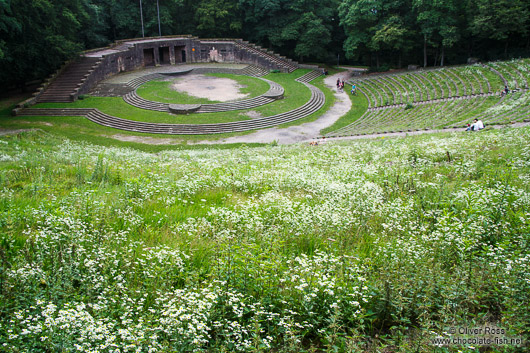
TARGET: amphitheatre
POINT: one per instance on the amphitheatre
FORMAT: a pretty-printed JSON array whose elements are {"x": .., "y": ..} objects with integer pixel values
[
  {"x": 178, "y": 194},
  {"x": 395, "y": 102}
]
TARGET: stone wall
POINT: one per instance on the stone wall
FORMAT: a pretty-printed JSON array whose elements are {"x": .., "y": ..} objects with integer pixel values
[{"x": 128, "y": 55}]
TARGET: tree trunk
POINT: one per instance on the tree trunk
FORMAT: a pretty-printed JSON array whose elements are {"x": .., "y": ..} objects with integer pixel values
[
  {"x": 425, "y": 51},
  {"x": 442, "y": 58},
  {"x": 399, "y": 61},
  {"x": 377, "y": 59},
  {"x": 506, "y": 49}
]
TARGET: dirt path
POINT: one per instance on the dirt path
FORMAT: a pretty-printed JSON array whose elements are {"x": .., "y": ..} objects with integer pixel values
[
  {"x": 8, "y": 132},
  {"x": 299, "y": 133},
  {"x": 212, "y": 88}
]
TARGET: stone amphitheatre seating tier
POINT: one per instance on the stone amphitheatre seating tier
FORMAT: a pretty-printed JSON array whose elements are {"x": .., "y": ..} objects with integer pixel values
[
  {"x": 512, "y": 73},
  {"x": 425, "y": 85},
  {"x": 511, "y": 108},
  {"x": 310, "y": 76},
  {"x": 442, "y": 98},
  {"x": 439, "y": 114},
  {"x": 275, "y": 92},
  {"x": 250, "y": 70},
  {"x": 316, "y": 102},
  {"x": 137, "y": 82}
]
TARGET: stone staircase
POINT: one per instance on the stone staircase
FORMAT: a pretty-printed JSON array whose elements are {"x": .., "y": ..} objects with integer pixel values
[
  {"x": 310, "y": 76},
  {"x": 278, "y": 60},
  {"x": 137, "y": 82},
  {"x": 62, "y": 89},
  {"x": 254, "y": 71}
]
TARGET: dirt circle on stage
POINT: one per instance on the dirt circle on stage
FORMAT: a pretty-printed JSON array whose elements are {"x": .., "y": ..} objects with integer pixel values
[{"x": 209, "y": 87}]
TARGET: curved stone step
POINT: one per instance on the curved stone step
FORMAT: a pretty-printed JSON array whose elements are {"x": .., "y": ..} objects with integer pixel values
[
  {"x": 137, "y": 82},
  {"x": 275, "y": 92},
  {"x": 310, "y": 76},
  {"x": 316, "y": 102}
]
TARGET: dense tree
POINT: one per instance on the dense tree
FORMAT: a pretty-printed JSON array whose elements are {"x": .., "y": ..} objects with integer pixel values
[
  {"x": 218, "y": 18},
  {"x": 298, "y": 28},
  {"x": 501, "y": 20},
  {"x": 376, "y": 26},
  {"x": 360, "y": 18},
  {"x": 36, "y": 36},
  {"x": 39, "y": 35},
  {"x": 437, "y": 21}
]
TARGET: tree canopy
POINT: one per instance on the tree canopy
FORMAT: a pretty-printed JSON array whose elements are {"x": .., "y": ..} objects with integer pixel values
[{"x": 36, "y": 36}]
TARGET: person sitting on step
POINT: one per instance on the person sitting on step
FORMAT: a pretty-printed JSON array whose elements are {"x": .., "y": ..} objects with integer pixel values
[{"x": 476, "y": 126}]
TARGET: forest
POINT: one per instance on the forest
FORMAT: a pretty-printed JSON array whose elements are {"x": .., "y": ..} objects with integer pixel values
[{"x": 37, "y": 36}]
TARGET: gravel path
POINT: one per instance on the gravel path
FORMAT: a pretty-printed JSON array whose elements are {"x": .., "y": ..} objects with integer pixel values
[
  {"x": 421, "y": 132},
  {"x": 299, "y": 133}
]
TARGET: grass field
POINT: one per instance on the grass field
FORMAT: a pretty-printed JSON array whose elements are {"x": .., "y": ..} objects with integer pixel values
[
  {"x": 161, "y": 91},
  {"x": 368, "y": 246}
]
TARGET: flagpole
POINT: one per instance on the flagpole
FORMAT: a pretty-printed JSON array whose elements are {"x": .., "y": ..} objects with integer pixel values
[
  {"x": 158, "y": 12},
  {"x": 142, "y": 19}
]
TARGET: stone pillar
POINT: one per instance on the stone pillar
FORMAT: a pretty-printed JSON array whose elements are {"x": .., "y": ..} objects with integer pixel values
[
  {"x": 172, "y": 54},
  {"x": 156, "y": 52}
]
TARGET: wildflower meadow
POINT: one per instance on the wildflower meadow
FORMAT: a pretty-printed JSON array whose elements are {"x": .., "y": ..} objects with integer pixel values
[{"x": 356, "y": 246}]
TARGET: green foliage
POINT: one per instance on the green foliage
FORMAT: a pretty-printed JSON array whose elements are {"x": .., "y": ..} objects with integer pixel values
[
  {"x": 300, "y": 29},
  {"x": 380, "y": 68},
  {"x": 218, "y": 16},
  {"x": 500, "y": 20},
  {"x": 37, "y": 36}
]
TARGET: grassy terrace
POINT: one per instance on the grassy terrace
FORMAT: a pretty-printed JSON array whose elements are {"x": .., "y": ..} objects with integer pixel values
[
  {"x": 295, "y": 95},
  {"x": 80, "y": 129},
  {"x": 383, "y": 90},
  {"x": 344, "y": 247},
  {"x": 415, "y": 87}
]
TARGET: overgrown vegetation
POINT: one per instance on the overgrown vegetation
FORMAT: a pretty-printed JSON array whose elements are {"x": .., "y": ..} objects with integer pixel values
[{"x": 351, "y": 247}]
